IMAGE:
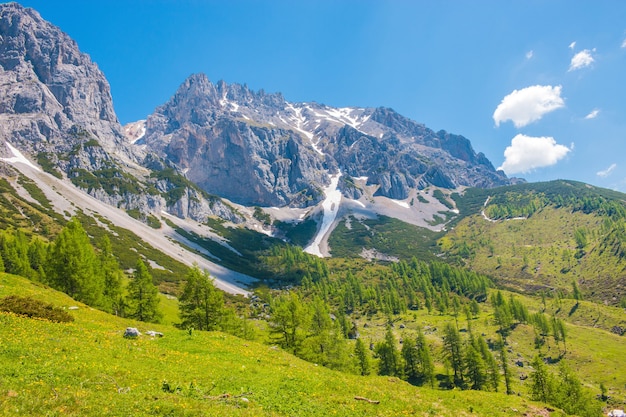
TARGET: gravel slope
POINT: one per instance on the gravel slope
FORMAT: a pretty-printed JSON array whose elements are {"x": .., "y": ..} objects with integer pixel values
[{"x": 66, "y": 198}]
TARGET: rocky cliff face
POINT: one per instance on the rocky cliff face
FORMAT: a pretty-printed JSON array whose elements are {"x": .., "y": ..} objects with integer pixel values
[
  {"x": 258, "y": 148},
  {"x": 49, "y": 90},
  {"x": 226, "y": 153},
  {"x": 56, "y": 106},
  {"x": 209, "y": 140}
]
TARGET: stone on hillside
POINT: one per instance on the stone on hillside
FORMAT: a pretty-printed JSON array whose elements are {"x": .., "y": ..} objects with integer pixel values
[{"x": 132, "y": 332}]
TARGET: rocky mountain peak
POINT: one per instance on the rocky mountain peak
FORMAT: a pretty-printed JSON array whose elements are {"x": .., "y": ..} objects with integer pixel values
[{"x": 45, "y": 76}]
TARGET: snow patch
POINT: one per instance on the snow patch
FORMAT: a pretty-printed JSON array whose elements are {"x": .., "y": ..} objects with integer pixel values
[
  {"x": 331, "y": 207},
  {"x": 401, "y": 203},
  {"x": 18, "y": 158}
]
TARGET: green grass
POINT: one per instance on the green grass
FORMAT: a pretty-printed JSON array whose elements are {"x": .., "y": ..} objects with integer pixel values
[
  {"x": 86, "y": 368},
  {"x": 540, "y": 253},
  {"x": 385, "y": 234}
]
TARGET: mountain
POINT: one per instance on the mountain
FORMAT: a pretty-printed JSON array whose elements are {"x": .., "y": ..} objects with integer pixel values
[
  {"x": 237, "y": 182},
  {"x": 256, "y": 148},
  {"x": 55, "y": 105}
]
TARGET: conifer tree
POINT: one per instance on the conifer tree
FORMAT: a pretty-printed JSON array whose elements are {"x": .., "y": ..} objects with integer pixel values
[
  {"x": 362, "y": 358},
  {"x": 389, "y": 357},
  {"x": 454, "y": 352},
  {"x": 542, "y": 386},
  {"x": 14, "y": 251},
  {"x": 289, "y": 321},
  {"x": 427, "y": 366},
  {"x": 201, "y": 304},
  {"x": 505, "y": 369},
  {"x": 113, "y": 277},
  {"x": 475, "y": 366},
  {"x": 38, "y": 257},
  {"x": 143, "y": 297},
  {"x": 73, "y": 267},
  {"x": 411, "y": 360},
  {"x": 578, "y": 296}
]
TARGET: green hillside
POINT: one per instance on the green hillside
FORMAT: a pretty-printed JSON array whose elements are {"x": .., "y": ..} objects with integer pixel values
[
  {"x": 543, "y": 237},
  {"x": 86, "y": 368}
]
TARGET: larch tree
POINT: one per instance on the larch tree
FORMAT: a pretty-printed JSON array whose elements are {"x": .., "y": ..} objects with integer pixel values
[
  {"x": 389, "y": 357},
  {"x": 73, "y": 266},
  {"x": 201, "y": 304},
  {"x": 454, "y": 352},
  {"x": 426, "y": 364},
  {"x": 143, "y": 295},
  {"x": 289, "y": 321},
  {"x": 113, "y": 277},
  {"x": 362, "y": 358}
]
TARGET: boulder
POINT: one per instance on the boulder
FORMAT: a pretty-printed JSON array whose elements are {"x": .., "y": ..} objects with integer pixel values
[{"x": 132, "y": 333}]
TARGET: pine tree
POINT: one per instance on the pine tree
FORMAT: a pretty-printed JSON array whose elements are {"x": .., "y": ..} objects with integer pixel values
[
  {"x": 505, "y": 369},
  {"x": 389, "y": 357},
  {"x": 454, "y": 352},
  {"x": 362, "y": 358},
  {"x": 475, "y": 366},
  {"x": 73, "y": 266},
  {"x": 201, "y": 305},
  {"x": 289, "y": 321},
  {"x": 427, "y": 366},
  {"x": 411, "y": 360},
  {"x": 542, "y": 386},
  {"x": 113, "y": 277},
  {"x": 143, "y": 297}
]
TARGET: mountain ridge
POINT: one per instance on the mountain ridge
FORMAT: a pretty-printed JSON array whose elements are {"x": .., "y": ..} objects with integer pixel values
[{"x": 184, "y": 127}]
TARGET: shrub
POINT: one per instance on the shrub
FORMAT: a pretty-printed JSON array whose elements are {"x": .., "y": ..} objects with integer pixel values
[{"x": 29, "y": 307}]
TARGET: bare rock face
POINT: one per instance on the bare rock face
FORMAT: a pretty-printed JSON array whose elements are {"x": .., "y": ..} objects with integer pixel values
[
  {"x": 258, "y": 149},
  {"x": 48, "y": 88},
  {"x": 55, "y": 104},
  {"x": 225, "y": 154}
]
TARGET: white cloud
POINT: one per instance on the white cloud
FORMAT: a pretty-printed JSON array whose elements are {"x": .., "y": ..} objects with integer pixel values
[
  {"x": 624, "y": 43},
  {"x": 607, "y": 171},
  {"x": 528, "y": 104},
  {"x": 594, "y": 113},
  {"x": 581, "y": 60},
  {"x": 572, "y": 45},
  {"x": 527, "y": 153},
  {"x": 529, "y": 54}
]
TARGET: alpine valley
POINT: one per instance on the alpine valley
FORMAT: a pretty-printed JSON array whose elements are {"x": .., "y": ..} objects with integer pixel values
[{"x": 355, "y": 238}]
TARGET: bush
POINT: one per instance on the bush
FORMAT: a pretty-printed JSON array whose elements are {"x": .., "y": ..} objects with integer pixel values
[{"x": 29, "y": 307}]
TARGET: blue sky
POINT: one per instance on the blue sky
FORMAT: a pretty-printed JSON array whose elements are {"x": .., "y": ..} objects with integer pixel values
[{"x": 537, "y": 85}]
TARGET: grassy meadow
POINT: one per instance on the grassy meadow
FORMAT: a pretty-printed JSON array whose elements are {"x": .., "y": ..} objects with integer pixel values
[{"x": 86, "y": 368}]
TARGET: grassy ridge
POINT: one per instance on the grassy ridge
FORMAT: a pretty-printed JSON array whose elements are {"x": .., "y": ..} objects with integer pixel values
[
  {"x": 543, "y": 236},
  {"x": 87, "y": 368}
]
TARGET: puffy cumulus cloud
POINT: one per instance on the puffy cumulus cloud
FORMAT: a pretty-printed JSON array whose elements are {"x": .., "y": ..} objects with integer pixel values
[
  {"x": 581, "y": 60},
  {"x": 572, "y": 45},
  {"x": 593, "y": 114},
  {"x": 527, "y": 153},
  {"x": 605, "y": 173},
  {"x": 528, "y": 104}
]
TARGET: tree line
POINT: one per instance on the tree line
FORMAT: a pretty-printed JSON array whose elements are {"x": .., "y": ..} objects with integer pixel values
[{"x": 88, "y": 274}]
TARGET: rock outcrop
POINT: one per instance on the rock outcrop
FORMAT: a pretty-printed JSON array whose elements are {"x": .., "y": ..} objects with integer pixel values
[
  {"x": 56, "y": 105},
  {"x": 259, "y": 149}
]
